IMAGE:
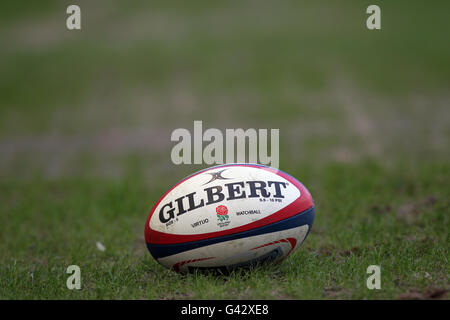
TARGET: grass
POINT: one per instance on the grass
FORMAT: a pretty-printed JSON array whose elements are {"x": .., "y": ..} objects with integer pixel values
[
  {"x": 366, "y": 214},
  {"x": 86, "y": 117}
]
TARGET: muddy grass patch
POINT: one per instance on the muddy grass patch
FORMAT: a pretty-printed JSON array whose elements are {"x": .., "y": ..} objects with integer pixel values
[{"x": 427, "y": 294}]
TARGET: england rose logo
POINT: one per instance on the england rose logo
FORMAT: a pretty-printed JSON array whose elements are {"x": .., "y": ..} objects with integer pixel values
[
  {"x": 222, "y": 213},
  {"x": 222, "y": 210}
]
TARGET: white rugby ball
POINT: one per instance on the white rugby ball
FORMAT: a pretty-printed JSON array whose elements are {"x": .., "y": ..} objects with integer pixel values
[{"x": 229, "y": 216}]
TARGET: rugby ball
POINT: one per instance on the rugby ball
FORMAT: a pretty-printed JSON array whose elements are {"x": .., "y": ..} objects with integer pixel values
[{"x": 229, "y": 216}]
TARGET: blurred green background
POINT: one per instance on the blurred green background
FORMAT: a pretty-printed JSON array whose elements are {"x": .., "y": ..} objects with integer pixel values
[
  {"x": 135, "y": 72},
  {"x": 86, "y": 116}
]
